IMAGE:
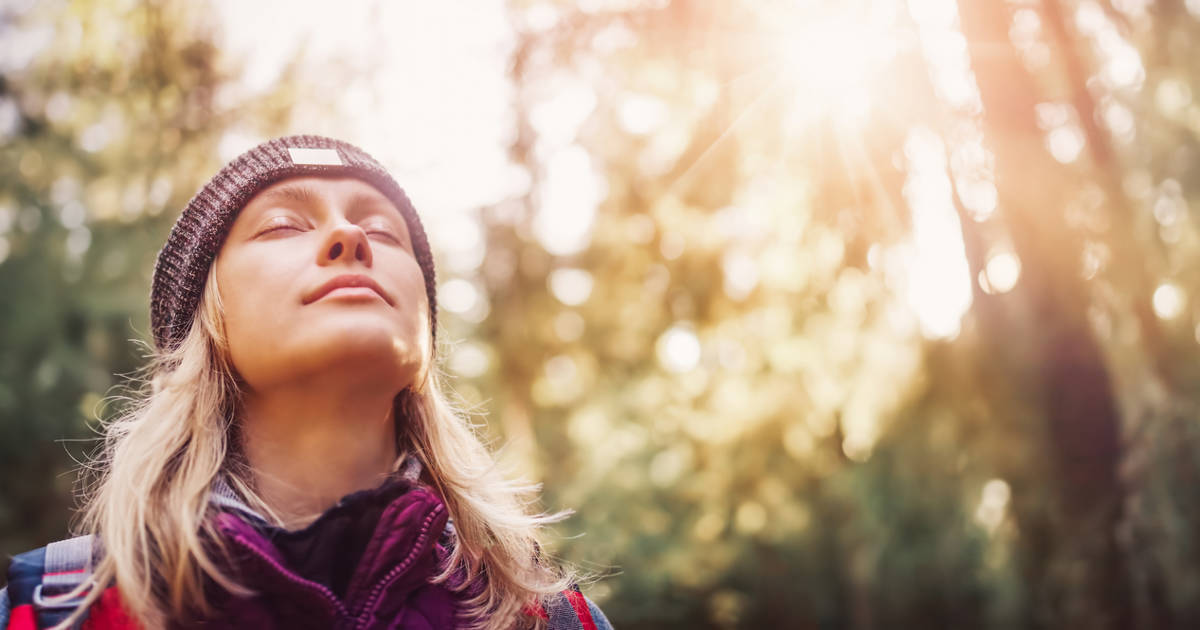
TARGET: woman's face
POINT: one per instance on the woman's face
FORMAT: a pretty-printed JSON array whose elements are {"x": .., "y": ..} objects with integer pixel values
[{"x": 284, "y": 324}]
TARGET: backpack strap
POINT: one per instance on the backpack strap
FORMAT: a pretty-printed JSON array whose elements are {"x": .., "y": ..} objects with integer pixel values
[
  {"x": 68, "y": 564},
  {"x": 4, "y": 607},
  {"x": 571, "y": 610}
]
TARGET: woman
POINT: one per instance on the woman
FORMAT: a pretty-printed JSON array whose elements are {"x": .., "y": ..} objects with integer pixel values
[{"x": 294, "y": 462}]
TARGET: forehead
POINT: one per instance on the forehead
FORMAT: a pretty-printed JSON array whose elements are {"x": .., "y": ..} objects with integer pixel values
[{"x": 314, "y": 190}]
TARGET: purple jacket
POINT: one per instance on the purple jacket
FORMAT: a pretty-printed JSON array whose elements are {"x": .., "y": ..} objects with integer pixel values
[{"x": 364, "y": 564}]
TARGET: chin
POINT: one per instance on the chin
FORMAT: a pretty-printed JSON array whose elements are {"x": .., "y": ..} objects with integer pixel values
[
  {"x": 362, "y": 344},
  {"x": 365, "y": 363}
]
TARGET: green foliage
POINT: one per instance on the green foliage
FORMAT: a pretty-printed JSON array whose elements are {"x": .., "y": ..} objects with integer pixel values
[
  {"x": 737, "y": 379},
  {"x": 116, "y": 120}
]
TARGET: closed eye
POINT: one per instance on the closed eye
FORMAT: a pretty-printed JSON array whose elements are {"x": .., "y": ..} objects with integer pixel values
[
  {"x": 385, "y": 233},
  {"x": 286, "y": 226},
  {"x": 277, "y": 227}
]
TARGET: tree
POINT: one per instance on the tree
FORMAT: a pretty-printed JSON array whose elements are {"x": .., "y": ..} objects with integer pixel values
[{"x": 116, "y": 117}]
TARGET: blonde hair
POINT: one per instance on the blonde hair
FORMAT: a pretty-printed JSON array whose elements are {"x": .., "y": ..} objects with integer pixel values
[{"x": 149, "y": 501}]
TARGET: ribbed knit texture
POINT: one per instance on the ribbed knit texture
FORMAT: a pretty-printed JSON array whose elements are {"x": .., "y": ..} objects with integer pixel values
[{"x": 183, "y": 263}]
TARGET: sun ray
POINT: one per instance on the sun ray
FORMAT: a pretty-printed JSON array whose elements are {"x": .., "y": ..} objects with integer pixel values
[{"x": 679, "y": 180}]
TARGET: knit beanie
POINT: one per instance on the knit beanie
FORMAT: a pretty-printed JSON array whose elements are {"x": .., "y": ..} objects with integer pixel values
[{"x": 183, "y": 264}]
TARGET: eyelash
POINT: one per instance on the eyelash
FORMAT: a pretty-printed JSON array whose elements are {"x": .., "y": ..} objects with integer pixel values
[{"x": 284, "y": 226}]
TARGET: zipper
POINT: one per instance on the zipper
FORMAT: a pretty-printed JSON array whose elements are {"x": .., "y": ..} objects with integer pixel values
[
  {"x": 320, "y": 589},
  {"x": 372, "y": 601}
]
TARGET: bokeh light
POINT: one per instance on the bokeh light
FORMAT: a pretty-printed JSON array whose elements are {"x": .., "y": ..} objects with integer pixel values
[{"x": 885, "y": 301}]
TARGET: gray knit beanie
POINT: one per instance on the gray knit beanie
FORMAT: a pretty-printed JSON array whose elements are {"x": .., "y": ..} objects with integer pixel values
[{"x": 184, "y": 262}]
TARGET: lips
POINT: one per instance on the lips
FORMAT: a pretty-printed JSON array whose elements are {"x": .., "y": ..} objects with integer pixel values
[{"x": 348, "y": 280}]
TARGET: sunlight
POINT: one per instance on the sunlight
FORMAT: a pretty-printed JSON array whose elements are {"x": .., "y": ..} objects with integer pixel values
[
  {"x": 1002, "y": 270},
  {"x": 571, "y": 286},
  {"x": 1169, "y": 300},
  {"x": 831, "y": 60},
  {"x": 993, "y": 503},
  {"x": 433, "y": 125},
  {"x": 945, "y": 50},
  {"x": 470, "y": 360},
  {"x": 457, "y": 295},
  {"x": 678, "y": 349},
  {"x": 568, "y": 195},
  {"x": 939, "y": 281},
  {"x": 1122, "y": 64}
]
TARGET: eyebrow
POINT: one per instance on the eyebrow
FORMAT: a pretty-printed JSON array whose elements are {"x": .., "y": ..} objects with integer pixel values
[
  {"x": 291, "y": 192},
  {"x": 304, "y": 195}
]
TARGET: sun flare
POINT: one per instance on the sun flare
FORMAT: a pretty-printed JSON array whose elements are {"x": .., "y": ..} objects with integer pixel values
[{"x": 830, "y": 59}]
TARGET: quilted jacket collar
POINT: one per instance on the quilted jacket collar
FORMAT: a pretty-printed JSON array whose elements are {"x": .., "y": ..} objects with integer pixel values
[
  {"x": 225, "y": 497},
  {"x": 398, "y": 535}
]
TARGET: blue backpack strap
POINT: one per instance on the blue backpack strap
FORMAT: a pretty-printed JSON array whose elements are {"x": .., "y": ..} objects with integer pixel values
[
  {"x": 602, "y": 622},
  {"x": 4, "y": 607},
  {"x": 563, "y": 614},
  {"x": 24, "y": 575},
  {"x": 68, "y": 564}
]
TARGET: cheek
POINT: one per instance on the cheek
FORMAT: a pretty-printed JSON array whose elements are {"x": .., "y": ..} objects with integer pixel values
[
  {"x": 253, "y": 297},
  {"x": 413, "y": 301}
]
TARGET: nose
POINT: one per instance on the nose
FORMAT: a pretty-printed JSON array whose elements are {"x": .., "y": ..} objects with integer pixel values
[{"x": 346, "y": 242}]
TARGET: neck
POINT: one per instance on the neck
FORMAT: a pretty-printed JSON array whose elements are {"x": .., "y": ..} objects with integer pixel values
[{"x": 309, "y": 448}]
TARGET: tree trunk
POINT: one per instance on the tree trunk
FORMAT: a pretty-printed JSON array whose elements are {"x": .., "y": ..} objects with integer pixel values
[{"x": 1087, "y": 587}]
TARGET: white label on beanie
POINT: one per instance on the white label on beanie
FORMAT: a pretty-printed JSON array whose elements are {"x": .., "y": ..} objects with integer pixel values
[{"x": 315, "y": 156}]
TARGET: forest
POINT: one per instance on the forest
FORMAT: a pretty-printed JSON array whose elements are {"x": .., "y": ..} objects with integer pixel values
[{"x": 839, "y": 314}]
